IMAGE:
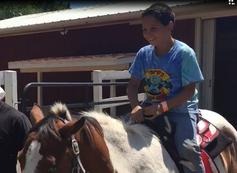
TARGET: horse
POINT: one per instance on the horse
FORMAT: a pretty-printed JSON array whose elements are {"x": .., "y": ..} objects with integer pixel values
[
  {"x": 59, "y": 144},
  {"x": 99, "y": 143}
]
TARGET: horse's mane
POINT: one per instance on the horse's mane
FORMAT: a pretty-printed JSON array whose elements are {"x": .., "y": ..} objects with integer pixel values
[
  {"x": 61, "y": 110},
  {"x": 101, "y": 120},
  {"x": 131, "y": 146},
  {"x": 118, "y": 126},
  {"x": 46, "y": 127}
]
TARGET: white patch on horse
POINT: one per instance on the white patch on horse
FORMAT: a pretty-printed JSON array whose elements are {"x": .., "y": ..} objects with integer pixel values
[
  {"x": 133, "y": 148},
  {"x": 32, "y": 157},
  {"x": 58, "y": 108}
]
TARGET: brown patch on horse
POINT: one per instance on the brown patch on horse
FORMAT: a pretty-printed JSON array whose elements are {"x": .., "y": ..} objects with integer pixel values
[
  {"x": 94, "y": 152},
  {"x": 71, "y": 128},
  {"x": 90, "y": 125}
]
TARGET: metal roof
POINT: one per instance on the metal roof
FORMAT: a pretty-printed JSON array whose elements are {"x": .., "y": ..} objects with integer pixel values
[
  {"x": 72, "y": 14},
  {"x": 98, "y": 13}
]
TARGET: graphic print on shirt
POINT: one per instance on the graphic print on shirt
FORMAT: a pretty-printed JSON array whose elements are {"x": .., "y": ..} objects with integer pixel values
[{"x": 157, "y": 84}]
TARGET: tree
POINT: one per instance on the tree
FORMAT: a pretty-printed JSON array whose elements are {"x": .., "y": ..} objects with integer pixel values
[{"x": 10, "y": 9}]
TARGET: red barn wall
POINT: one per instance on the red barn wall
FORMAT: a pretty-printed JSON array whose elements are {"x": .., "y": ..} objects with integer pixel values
[{"x": 120, "y": 38}]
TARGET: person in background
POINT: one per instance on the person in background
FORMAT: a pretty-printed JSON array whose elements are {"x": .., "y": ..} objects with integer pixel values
[
  {"x": 14, "y": 126},
  {"x": 170, "y": 71}
]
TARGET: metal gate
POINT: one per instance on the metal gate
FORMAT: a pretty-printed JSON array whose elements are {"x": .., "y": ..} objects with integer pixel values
[{"x": 88, "y": 104}]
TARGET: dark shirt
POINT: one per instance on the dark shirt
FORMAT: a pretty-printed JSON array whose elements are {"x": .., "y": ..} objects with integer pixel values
[{"x": 14, "y": 127}]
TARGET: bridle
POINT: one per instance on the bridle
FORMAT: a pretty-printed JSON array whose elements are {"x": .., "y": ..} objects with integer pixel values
[
  {"x": 76, "y": 163},
  {"x": 77, "y": 166}
]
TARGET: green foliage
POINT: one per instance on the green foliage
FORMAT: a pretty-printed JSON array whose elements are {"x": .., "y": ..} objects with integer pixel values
[{"x": 10, "y": 9}]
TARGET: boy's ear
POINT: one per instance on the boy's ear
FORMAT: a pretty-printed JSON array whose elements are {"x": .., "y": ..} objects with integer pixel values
[{"x": 171, "y": 25}]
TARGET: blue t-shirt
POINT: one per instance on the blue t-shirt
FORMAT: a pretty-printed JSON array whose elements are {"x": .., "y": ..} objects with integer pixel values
[{"x": 165, "y": 76}]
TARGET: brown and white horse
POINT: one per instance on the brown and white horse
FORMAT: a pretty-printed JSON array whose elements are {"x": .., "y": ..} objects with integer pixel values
[
  {"x": 58, "y": 144},
  {"x": 106, "y": 145}
]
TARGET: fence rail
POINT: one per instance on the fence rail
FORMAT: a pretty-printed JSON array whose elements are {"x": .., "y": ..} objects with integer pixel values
[{"x": 71, "y": 84}]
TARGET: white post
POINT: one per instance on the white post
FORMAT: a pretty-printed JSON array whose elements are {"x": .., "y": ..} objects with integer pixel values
[
  {"x": 39, "y": 89},
  {"x": 98, "y": 76},
  {"x": 112, "y": 94},
  {"x": 97, "y": 90},
  {"x": 9, "y": 80}
]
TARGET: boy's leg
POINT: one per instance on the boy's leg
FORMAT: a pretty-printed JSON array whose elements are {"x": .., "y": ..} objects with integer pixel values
[{"x": 185, "y": 140}]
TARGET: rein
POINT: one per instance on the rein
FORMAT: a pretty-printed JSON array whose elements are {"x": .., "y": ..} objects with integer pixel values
[{"x": 77, "y": 165}]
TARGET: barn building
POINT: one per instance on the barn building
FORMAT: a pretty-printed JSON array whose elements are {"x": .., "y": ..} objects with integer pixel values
[{"x": 68, "y": 45}]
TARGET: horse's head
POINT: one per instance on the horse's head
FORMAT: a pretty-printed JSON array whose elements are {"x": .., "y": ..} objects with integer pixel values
[{"x": 63, "y": 145}]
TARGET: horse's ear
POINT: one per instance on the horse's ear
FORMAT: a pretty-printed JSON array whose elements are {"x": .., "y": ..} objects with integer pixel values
[
  {"x": 36, "y": 114},
  {"x": 71, "y": 127}
]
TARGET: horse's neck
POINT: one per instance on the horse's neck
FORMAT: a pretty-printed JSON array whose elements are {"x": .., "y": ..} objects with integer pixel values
[{"x": 139, "y": 147}]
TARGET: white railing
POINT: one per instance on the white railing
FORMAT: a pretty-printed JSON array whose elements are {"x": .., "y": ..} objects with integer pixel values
[
  {"x": 97, "y": 77},
  {"x": 8, "y": 79}
]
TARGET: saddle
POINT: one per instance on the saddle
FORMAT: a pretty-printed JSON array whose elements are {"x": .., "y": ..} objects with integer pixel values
[
  {"x": 210, "y": 139},
  {"x": 212, "y": 142}
]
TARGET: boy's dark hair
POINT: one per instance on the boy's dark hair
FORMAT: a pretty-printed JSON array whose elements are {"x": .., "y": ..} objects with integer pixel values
[{"x": 161, "y": 12}]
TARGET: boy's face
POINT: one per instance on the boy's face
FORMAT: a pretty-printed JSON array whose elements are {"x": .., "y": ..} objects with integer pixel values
[{"x": 155, "y": 32}]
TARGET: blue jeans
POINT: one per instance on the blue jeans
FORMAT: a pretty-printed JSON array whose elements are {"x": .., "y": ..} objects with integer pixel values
[{"x": 185, "y": 138}]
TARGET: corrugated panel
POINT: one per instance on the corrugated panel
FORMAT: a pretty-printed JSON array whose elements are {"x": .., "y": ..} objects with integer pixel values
[{"x": 79, "y": 13}]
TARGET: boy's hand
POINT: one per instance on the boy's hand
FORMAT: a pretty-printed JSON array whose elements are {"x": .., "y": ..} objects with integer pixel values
[{"x": 151, "y": 112}]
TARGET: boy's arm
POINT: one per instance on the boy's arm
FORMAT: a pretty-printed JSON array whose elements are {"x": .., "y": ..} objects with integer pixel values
[
  {"x": 132, "y": 91},
  {"x": 185, "y": 94}
]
